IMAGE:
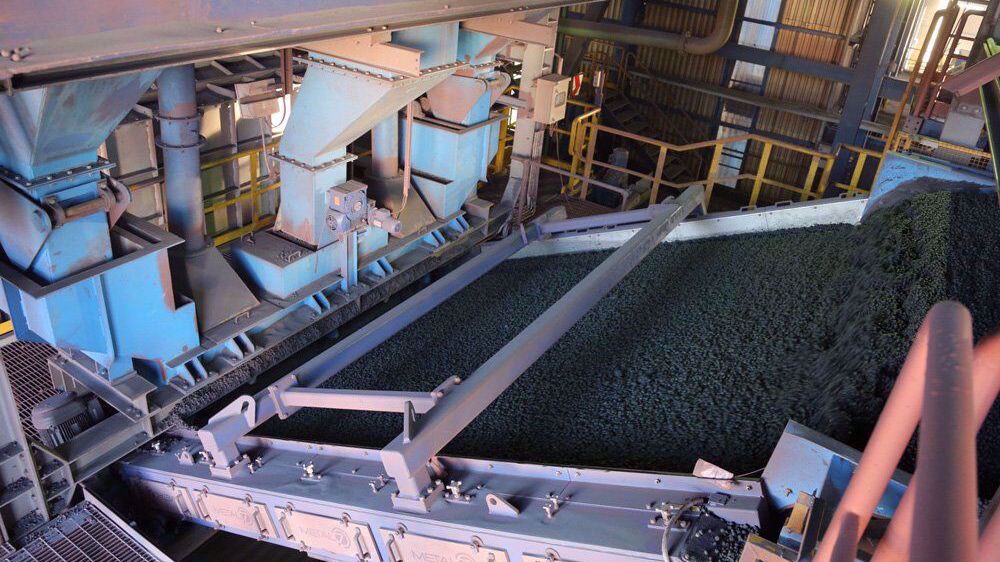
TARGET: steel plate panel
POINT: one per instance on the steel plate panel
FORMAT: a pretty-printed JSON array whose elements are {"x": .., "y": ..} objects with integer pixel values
[
  {"x": 408, "y": 547},
  {"x": 242, "y": 514},
  {"x": 336, "y": 536}
]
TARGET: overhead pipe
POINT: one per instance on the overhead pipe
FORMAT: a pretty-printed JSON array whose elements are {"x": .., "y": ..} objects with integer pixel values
[
  {"x": 911, "y": 83},
  {"x": 948, "y": 18},
  {"x": 725, "y": 20}
]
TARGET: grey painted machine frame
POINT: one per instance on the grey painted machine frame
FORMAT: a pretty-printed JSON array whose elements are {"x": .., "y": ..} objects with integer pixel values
[
  {"x": 568, "y": 513},
  {"x": 408, "y": 454},
  {"x": 476, "y": 507}
]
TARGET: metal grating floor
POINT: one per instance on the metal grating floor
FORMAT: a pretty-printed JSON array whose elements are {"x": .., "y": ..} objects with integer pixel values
[
  {"x": 27, "y": 368},
  {"x": 82, "y": 534}
]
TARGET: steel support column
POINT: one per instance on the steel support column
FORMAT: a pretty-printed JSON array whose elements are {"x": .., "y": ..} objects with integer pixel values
[
  {"x": 522, "y": 186},
  {"x": 180, "y": 141},
  {"x": 406, "y": 458},
  {"x": 881, "y": 34}
]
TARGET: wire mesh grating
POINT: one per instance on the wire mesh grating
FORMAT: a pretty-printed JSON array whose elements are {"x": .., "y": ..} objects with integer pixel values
[
  {"x": 27, "y": 368},
  {"x": 82, "y": 534}
]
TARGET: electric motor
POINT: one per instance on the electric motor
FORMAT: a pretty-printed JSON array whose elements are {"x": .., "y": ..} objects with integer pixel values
[{"x": 61, "y": 417}]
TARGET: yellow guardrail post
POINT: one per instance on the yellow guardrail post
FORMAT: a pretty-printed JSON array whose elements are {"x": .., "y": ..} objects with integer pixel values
[
  {"x": 810, "y": 178},
  {"x": 577, "y": 141},
  {"x": 824, "y": 179},
  {"x": 254, "y": 179},
  {"x": 713, "y": 172},
  {"x": 758, "y": 181},
  {"x": 588, "y": 164},
  {"x": 859, "y": 168},
  {"x": 660, "y": 162},
  {"x": 501, "y": 157}
]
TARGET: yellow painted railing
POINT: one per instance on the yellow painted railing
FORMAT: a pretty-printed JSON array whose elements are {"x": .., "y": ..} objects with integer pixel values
[
  {"x": 250, "y": 194},
  {"x": 6, "y": 327},
  {"x": 501, "y": 162},
  {"x": 820, "y": 164},
  {"x": 577, "y": 145},
  {"x": 937, "y": 148},
  {"x": 860, "y": 157}
]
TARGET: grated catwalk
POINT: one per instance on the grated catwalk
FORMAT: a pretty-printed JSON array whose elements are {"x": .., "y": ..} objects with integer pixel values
[{"x": 706, "y": 350}]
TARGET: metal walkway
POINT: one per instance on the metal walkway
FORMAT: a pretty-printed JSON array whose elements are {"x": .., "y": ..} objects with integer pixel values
[{"x": 86, "y": 533}]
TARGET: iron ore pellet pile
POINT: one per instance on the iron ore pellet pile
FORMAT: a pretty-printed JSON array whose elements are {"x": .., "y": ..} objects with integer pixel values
[{"x": 705, "y": 350}]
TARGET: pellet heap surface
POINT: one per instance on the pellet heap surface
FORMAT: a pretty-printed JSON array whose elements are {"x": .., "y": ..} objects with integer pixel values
[{"x": 706, "y": 349}]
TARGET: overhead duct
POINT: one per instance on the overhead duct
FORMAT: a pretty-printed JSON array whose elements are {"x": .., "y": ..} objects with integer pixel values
[{"x": 725, "y": 19}]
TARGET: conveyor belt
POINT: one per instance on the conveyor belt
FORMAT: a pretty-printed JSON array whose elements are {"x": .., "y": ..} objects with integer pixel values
[{"x": 706, "y": 350}]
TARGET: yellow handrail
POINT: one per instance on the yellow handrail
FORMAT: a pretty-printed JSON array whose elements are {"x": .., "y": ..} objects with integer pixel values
[
  {"x": 583, "y": 146},
  {"x": 251, "y": 194},
  {"x": 6, "y": 327},
  {"x": 577, "y": 144}
]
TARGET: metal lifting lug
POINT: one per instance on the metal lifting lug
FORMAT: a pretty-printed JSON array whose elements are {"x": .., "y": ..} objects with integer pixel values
[{"x": 551, "y": 506}]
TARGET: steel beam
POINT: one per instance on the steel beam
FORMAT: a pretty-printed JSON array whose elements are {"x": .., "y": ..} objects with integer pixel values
[
  {"x": 358, "y": 400},
  {"x": 305, "y": 494},
  {"x": 77, "y": 40},
  {"x": 406, "y": 458},
  {"x": 865, "y": 85},
  {"x": 180, "y": 141}
]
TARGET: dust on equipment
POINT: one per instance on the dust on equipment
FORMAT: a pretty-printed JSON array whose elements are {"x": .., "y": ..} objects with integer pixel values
[{"x": 137, "y": 416}]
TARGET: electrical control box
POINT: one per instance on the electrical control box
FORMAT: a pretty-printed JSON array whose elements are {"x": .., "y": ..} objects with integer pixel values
[{"x": 551, "y": 93}]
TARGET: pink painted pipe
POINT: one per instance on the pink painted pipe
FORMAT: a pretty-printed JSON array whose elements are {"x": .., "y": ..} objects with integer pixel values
[
  {"x": 896, "y": 424},
  {"x": 945, "y": 524},
  {"x": 895, "y": 545},
  {"x": 989, "y": 541}
]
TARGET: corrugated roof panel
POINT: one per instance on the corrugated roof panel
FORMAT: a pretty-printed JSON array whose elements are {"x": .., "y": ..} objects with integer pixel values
[
  {"x": 697, "y": 20},
  {"x": 613, "y": 11}
]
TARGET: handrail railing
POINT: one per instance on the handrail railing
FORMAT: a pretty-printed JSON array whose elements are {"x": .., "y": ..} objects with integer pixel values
[
  {"x": 577, "y": 145},
  {"x": 6, "y": 327},
  {"x": 250, "y": 194},
  {"x": 820, "y": 164},
  {"x": 861, "y": 158}
]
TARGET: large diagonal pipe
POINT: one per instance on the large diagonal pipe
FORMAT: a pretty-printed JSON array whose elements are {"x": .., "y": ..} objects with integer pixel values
[
  {"x": 895, "y": 544},
  {"x": 936, "y": 380},
  {"x": 725, "y": 20}
]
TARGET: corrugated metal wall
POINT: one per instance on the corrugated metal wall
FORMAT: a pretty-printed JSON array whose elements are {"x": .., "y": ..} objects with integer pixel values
[
  {"x": 834, "y": 19},
  {"x": 679, "y": 66}
]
